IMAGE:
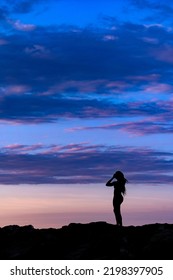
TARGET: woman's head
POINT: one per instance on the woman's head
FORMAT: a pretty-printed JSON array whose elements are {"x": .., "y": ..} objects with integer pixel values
[
  {"x": 120, "y": 176},
  {"x": 121, "y": 179}
]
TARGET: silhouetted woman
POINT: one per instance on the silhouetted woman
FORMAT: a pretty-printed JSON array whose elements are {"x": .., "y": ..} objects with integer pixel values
[{"x": 119, "y": 192}]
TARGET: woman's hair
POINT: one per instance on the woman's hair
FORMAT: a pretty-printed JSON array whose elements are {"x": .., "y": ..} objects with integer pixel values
[{"x": 120, "y": 178}]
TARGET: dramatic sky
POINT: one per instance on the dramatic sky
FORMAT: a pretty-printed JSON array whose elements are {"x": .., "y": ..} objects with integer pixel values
[{"x": 86, "y": 88}]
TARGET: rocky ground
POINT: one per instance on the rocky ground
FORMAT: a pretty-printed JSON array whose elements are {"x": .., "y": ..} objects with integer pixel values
[{"x": 98, "y": 240}]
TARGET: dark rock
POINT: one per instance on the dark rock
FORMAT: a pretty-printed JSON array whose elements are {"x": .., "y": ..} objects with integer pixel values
[{"x": 98, "y": 240}]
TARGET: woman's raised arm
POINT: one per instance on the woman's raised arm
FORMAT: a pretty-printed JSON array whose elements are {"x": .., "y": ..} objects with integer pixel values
[{"x": 110, "y": 183}]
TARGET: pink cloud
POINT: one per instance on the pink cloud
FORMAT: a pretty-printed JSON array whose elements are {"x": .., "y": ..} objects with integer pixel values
[
  {"x": 158, "y": 88},
  {"x": 151, "y": 77},
  {"x": 150, "y": 40},
  {"x": 110, "y": 37},
  {"x": 150, "y": 125},
  {"x": 50, "y": 149},
  {"x": 3, "y": 42},
  {"x": 17, "y": 89},
  {"x": 13, "y": 146},
  {"x": 70, "y": 148},
  {"x": 22, "y": 149},
  {"x": 88, "y": 86},
  {"x": 22, "y": 26},
  {"x": 165, "y": 54},
  {"x": 80, "y": 128}
]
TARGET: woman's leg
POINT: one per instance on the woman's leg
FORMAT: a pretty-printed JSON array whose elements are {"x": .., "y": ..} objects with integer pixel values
[{"x": 117, "y": 211}]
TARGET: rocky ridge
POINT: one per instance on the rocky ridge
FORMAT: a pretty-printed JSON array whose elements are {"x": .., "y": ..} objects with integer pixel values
[{"x": 97, "y": 240}]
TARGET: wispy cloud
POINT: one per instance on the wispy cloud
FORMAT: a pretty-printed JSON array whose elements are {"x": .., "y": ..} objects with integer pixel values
[
  {"x": 21, "y": 26},
  {"x": 21, "y": 149},
  {"x": 94, "y": 164},
  {"x": 144, "y": 127}
]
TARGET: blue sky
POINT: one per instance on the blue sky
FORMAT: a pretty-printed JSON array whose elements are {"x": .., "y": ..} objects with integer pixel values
[{"x": 85, "y": 89}]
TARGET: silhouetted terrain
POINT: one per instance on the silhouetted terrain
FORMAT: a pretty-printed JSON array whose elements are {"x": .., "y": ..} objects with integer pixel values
[{"x": 98, "y": 240}]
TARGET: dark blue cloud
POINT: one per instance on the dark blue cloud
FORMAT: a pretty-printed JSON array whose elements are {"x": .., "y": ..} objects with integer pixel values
[
  {"x": 47, "y": 56},
  {"x": 35, "y": 109},
  {"x": 29, "y": 108},
  {"x": 23, "y": 6},
  {"x": 68, "y": 71},
  {"x": 94, "y": 165},
  {"x": 157, "y": 10}
]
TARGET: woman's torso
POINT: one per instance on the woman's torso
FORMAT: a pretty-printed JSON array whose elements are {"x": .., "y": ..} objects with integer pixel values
[{"x": 118, "y": 189}]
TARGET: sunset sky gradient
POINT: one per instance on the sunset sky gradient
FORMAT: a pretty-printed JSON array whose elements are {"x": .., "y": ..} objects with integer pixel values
[{"x": 86, "y": 88}]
